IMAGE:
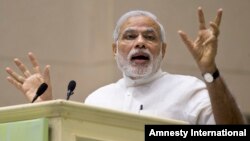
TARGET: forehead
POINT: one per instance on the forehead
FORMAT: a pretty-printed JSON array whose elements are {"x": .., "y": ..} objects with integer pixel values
[{"x": 140, "y": 23}]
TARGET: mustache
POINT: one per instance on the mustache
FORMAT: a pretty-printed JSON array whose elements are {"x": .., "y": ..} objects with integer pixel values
[{"x": 139, "y": 52}]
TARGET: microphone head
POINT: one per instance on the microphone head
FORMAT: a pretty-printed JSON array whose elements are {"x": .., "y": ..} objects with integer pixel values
[
  {"x": 72, "y": 85},
  {"x": 43, "y": 87}
]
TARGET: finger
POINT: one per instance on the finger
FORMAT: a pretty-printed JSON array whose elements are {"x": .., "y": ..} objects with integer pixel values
[
  {"x": 22, "y": 67},
  {"x": 201, "y": 19},
  {"x": 209, "y": 40},
  {"x": 34, "y": 62},
  {"x": 199, "y": 40},
  {"x": 47, "y": 74},
  {"x": 185, "y": 39},
  {"x": 215, "y": 29},
  {"x": 14, "y": 75},
  {"x": 17, "y": 84},
  {"x": 218, "y": 17}
]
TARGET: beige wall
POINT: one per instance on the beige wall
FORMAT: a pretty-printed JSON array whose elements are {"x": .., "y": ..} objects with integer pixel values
[{"x": 75, "y": 36}]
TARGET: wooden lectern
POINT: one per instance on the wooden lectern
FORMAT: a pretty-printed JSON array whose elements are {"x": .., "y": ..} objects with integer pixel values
[{"x": 61, "y": 120}]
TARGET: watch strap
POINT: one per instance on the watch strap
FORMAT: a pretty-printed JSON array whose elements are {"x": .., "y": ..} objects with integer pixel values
[{"x": 216, "y": 74}]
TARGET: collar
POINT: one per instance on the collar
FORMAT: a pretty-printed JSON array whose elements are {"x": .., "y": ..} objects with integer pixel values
[{"x": 130, "y": 82}]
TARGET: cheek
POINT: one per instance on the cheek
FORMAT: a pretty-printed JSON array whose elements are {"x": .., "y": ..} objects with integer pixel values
[
  {"x": 155, "y": 50},
  {"x": 124, "y": 49}
]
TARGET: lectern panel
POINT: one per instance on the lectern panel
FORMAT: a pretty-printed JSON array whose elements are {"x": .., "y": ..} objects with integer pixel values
[{"x": 27, "y": 130}]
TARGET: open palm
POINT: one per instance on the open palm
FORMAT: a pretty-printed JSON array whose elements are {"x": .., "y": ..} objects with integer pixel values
[{"x": 28, "y": 83}]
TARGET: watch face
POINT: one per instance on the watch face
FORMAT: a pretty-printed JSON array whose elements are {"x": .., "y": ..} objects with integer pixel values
[{"x": 208, "y": 77}]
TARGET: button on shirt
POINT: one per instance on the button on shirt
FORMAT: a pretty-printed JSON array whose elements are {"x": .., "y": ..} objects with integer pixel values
[{"x": 163, "y": 95}]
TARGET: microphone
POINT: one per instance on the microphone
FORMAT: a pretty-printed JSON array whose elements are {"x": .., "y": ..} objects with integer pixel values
[
  {"x": 42, "y": 88},
  {"x": 71, "y": 87}
]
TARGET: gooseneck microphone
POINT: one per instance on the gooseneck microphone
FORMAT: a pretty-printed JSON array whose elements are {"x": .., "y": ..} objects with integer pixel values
[
  {"x": 71, "y": 87},
  {"x": 42, "y": 88}
]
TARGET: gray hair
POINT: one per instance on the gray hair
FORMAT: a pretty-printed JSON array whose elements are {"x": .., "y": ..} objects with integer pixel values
[{"x": 135, "y": 13}]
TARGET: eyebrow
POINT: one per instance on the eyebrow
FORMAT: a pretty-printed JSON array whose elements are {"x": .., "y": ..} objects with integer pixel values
[
  {"x": 148, "y": 30},
  {"x": 128, "y": 30}
]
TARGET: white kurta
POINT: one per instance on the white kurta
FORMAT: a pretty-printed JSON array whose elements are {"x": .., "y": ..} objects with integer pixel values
[{"x": 163, "y": 95}]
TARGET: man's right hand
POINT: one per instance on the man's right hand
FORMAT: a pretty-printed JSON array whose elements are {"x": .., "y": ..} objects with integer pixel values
[{"x": 28, "y": 82}]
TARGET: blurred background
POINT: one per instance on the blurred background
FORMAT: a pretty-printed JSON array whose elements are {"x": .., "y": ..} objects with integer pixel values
[{"x": 75, "y": 37}]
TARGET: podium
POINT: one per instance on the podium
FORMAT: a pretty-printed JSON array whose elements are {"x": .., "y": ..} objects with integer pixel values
[{"x": 61, "y": 120}]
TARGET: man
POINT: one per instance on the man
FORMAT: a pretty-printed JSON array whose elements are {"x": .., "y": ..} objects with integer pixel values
[{"x": 139, "y": 47}]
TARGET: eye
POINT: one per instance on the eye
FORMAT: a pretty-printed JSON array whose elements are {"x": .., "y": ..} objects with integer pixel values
[
  {"x": 150, "y": 37},
  {"x": 129, "y": 36}
]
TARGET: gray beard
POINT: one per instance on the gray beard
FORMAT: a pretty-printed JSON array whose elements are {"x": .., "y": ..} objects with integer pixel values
[{"x": 138, "y": 71}]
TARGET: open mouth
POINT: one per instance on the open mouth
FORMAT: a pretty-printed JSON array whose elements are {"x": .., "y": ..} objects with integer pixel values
[{"x": 140, "y": 58}]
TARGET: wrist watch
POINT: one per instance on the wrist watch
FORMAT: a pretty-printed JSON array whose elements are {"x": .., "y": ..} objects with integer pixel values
[{"x": 210, "y": 77}]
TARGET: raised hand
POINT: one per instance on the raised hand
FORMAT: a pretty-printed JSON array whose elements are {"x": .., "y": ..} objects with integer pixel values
[
  {"x": 28, "y": 82},
  {"x": 204, "y": 47}
]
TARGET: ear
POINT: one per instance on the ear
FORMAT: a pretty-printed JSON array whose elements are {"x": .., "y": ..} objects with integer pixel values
[
  {"x": 163, "y": 49},
  {"x": 114, "y": 48}
]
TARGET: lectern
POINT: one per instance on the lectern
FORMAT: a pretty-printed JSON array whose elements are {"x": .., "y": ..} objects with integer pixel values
[{"x": 61, "y": 120}]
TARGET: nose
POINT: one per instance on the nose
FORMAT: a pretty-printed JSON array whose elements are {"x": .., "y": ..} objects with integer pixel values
[{"x": 140, "y": 42}]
